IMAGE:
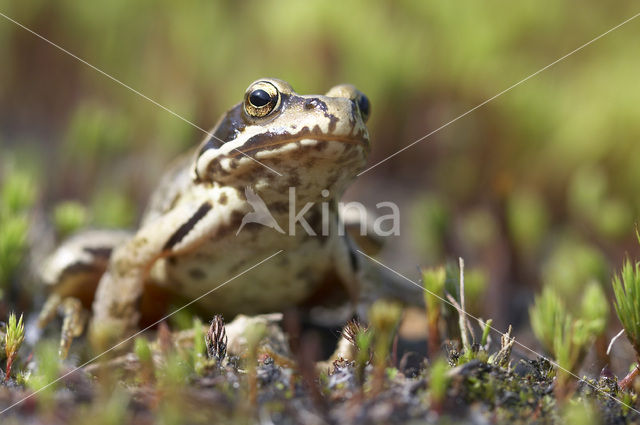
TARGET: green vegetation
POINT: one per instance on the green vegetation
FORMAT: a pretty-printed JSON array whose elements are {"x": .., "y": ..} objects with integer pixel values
[
  {"x": 143, "y": 352},
  {"x": 565, "y": 336},
  {"x": 18, "y": 193},
  {"x": 581, "y": 413},
  {"x": 13, "y": 339},
  {"x": 190, "y": 376},
  {"x": 254, "y": 334},
  {"x": 438, "y": 382},
  {"x": 433, "y": 282},
  {"x": 384, "y": 317},
  {"x": 626, "y": 288},
  {"x": 68, "y": 217},
  {"x": 42, "y": 380}
]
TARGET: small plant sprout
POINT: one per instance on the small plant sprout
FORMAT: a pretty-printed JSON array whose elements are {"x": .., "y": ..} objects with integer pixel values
[
  {"x": 362, "y": 339},
  {"x": 438, "y": 383},
  {"x": 626, "y": 290},
  {"x": 546, "y": 311},
  {"x": 351, "y": 331},
  {"x": 198, "y": 358},
  {"x": 503, "y": 356},
  {"x": 12, "y": 341},
  {"x": 145, "y": 357},
  {"x": 486, "y": 328},
  {"x": 433, "y": 281},
  {"x": 463, "y": 322},
  {"x": 384, "y": 317},
  {"x": 44, "y": 378},
  {"x": 565, "y": 335},
  {"x": 254, "y": 335},
  {"x": 347, "y": 348},
  {"x": 216, "y": 339}
]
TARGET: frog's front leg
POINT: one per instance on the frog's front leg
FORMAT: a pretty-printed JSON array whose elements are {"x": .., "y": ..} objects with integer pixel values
[
  {"x": 116, "y": 305},
  {"x": 73, "y": 315},
  {"x": 72, "y": 273}
]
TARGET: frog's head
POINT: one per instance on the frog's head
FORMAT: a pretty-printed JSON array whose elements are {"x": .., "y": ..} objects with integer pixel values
[{"x": 311, "y": 139}]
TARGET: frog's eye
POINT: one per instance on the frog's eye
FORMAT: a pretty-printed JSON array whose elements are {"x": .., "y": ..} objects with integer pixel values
[
  {"x": 261, "y": 99},
  {"x": 364, "y": 106}
]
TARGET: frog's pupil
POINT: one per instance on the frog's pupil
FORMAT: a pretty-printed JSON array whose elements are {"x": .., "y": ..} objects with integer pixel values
[
  {"x": 259, "y": 98},
  {"x": 363, "y": 105}
]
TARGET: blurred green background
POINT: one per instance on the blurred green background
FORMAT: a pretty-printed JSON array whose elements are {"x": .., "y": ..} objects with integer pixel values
[{"x": 538, "y": 187}]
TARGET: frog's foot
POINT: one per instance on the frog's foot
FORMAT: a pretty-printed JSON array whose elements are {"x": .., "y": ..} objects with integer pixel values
[
  {"x": 49, "y": 310},
  {"x": 74, "y": 317}
]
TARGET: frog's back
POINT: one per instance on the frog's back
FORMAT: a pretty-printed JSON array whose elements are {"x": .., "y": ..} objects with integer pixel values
[{"x": 173, "y": 185}]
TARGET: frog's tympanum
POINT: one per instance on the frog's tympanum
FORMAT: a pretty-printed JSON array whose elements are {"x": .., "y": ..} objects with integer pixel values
[{"x": 188, "y": 242}]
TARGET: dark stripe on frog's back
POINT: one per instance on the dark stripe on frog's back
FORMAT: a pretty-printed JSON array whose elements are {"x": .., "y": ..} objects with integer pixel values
[{"x": 183, "y": 230}]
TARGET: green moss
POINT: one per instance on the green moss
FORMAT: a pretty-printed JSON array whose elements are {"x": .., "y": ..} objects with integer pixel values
[
  {"x": 47, "y": 371},
  {"x": 565, "y": 336},
  {"x": 18, "y": 192},
  {"x": 438, "y": 380},
  {"x": 626, "y": 288},
  {"x": 112, "y": 208},
  {"x": 68, "y": 217}
]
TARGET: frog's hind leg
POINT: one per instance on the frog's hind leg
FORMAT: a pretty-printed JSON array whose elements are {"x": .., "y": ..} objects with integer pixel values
[{"x": 72, "y": 274}]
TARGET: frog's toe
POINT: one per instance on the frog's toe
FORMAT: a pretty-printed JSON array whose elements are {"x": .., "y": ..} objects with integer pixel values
[
  {"x": 74, "y": 318},
  {"x": 49, "y": 310}
]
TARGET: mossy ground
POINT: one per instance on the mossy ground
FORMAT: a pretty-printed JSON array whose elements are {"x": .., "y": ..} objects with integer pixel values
[{"x": 178, "y": 385}]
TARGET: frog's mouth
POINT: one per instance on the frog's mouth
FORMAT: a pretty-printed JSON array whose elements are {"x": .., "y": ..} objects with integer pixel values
[
  {"x": 272, "y": 141},
  {"x": 272, "y": 148},
  {"x": 310, "y": 141}
]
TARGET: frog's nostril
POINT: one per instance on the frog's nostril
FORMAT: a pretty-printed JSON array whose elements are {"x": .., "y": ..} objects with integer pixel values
[{"x": 310, "y": 104}]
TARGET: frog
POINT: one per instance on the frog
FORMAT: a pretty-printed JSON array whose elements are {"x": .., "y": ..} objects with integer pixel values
[{"x": 192, "y": 238}]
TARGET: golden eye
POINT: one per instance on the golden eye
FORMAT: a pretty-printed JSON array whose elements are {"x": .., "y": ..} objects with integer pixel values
[{"x": 261, "y": 99}]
